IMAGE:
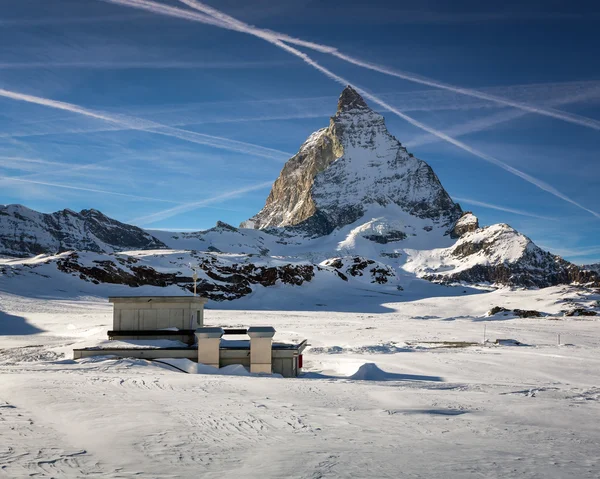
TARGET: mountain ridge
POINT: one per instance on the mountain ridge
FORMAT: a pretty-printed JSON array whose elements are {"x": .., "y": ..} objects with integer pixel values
[{"x": 24, "y": 232}]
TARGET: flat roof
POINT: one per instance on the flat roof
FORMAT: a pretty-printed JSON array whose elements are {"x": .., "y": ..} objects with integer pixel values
[
  {"x": 244, "y": 344},
  {"x": 167, "y": 299}
]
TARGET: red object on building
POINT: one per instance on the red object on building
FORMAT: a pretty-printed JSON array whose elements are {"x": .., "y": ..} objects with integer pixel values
[{"x": 300, "y": 361}]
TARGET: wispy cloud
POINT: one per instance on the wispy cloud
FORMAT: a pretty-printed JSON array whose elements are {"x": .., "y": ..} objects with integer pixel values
[
  {"x": 125, "y": 65},
  {"x": 502, "y": 208},
  {"x": 152, "y": 127},
  {"x": 79, "y": 188},
  {"x": 33, "y": 164},
  {"x": 572, "y": 252},
  {"x": 164, "y": 214},
  {"x": 273, "y": 39}
]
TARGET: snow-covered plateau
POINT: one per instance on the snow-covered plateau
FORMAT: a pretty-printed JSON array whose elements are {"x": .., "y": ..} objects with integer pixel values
[{"x": 438, "y": 348}]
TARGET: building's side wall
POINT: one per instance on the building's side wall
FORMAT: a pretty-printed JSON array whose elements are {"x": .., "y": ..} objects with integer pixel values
[
  {"x": 190, "y": 353},
  {"x": 157, "y": 315}
]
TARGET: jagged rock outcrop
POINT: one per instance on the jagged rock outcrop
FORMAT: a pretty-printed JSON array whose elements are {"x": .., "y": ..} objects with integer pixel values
[
  {"x": 467, "y": 223},
  {"x": 357, "y": 266},
  {"x": 343, "y": 170},
  {"x": 24, "y": 232}
]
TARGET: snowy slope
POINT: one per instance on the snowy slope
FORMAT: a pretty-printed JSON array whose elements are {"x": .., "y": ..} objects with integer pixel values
[{"x": 222, "y": 276}]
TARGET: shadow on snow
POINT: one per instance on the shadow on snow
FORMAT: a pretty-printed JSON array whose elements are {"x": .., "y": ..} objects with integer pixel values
[{"x": 11, "y": 325}]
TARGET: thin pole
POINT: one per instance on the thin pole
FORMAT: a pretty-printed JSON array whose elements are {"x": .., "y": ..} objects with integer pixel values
[
  {"x": 195, "y": 277},
  {"x": 484, "y": 327},
  {"x": 558, "y": 339}
]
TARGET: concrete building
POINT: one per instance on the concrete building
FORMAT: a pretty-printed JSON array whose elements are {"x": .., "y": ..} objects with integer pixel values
[
  {"x": 139, "y": 313},
  {"x": 181, "y": 318}
]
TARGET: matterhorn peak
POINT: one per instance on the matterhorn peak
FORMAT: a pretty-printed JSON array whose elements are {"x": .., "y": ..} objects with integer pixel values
[
  {"x": 351, "y": 170},
  {"x": 350, "y": 99}
]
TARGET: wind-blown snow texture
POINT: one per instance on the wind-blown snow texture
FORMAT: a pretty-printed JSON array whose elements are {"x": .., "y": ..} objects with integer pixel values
[{"x": 351, "y": 207}]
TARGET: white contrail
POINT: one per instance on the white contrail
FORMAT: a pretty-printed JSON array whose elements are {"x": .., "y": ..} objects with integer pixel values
[
  {"x": 484, "y": 156},
  {"x": 20, "y": 163},
  {"x": 501, "y": 117},
  {"x": 502, "y": 208},
  {"x": 559, "y": 115},
  {"x": 161, "y": 215},
  {"x": 219, "y": 19},
  {"x": 91, "y": 190},
  {"x": 151, "y": 127},
  {"x": 425, "y": 100}
]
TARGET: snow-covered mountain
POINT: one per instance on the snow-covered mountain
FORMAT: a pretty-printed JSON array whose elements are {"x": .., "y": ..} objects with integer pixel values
[
  {"x": 351, "y": 212},
  {"x": 342, "y": 171},
  {"x": 25, "y": 232}
]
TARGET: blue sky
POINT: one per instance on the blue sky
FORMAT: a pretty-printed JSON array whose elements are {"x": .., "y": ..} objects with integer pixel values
[{"x": 166, "y": 122}]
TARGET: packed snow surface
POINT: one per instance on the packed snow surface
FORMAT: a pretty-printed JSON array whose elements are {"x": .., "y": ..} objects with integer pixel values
[{"x": 393, "y": 386}]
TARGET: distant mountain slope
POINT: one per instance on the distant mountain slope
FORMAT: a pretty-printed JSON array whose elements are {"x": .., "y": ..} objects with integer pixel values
[
  {"x": 24, "y": 232},
  {"x": 497, "y": 254},
  {"x": 592, "y": 267}
]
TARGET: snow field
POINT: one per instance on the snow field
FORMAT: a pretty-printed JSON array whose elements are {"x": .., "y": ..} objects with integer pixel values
[{"x": 388, "y": 394}]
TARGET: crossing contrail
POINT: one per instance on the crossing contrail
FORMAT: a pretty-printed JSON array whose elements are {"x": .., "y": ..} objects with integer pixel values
[
  {"x": 152, "y": 127},
  {"x": 501, "y": 117},
  {"x": 219, "y": 19},
  {"x": 226, "y": 19},
  {"x": 484, "y": 156}
]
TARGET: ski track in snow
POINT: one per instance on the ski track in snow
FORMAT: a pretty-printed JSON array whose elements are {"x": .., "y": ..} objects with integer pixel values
[{"x": 430, "y": 410}]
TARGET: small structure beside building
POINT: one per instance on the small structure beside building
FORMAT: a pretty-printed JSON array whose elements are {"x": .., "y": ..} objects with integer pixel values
[{"x": 181, "y": 318}]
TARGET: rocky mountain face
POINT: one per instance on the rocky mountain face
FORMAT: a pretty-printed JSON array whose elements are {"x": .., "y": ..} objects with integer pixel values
[
  {"x": 345, "y": 169},
  {"x": 24, "y": 232}
]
